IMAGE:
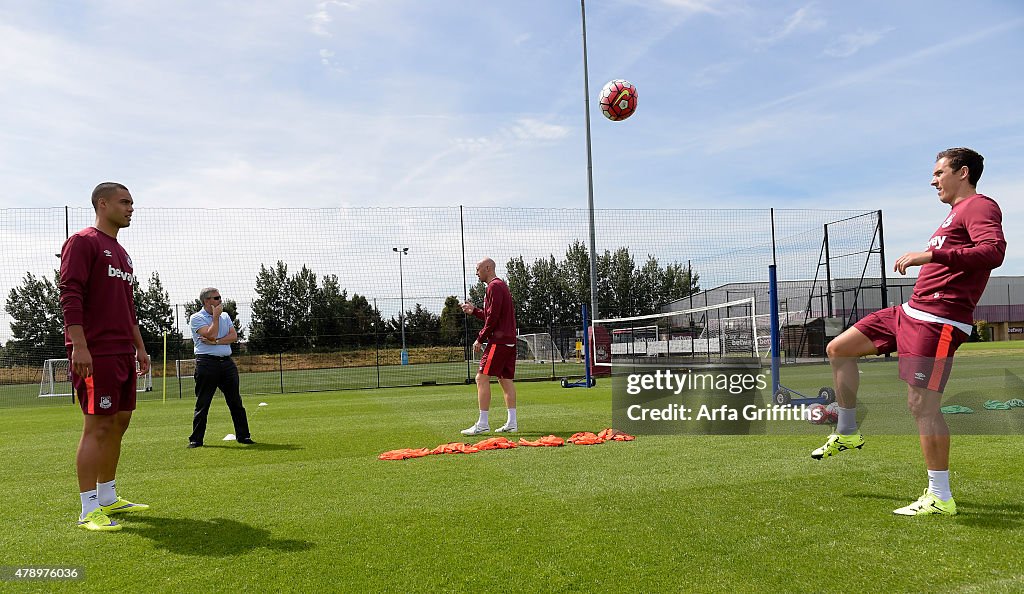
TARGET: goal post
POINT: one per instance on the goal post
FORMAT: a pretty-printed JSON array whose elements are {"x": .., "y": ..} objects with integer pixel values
[
  {"x": 184, "y": 368},
  {"x": 539, "y": 347},
  {"x": 56, "y": 379},
  {"x": 717, "y": 332}
]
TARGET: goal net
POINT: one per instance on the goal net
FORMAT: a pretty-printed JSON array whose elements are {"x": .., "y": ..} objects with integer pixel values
[
  {"x": 539, "y": 347},
  {"x": 56, "y": 380},
  {"x": 710, "y": 333}
]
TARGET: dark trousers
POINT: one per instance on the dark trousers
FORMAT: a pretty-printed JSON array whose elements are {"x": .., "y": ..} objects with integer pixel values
[{"x": 212, "y": 373}]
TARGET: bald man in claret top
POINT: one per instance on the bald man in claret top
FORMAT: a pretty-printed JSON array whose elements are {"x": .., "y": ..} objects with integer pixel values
[{"x": 498, "y": 359}]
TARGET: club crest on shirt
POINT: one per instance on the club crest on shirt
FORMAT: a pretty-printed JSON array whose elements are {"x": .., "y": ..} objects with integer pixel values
[
  {"x": 949, "y": 220},
  {"x": 105, "y": 402}
]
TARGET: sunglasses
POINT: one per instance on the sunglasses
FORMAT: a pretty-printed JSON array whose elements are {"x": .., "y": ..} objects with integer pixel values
[{"x": 217, "y": 298}]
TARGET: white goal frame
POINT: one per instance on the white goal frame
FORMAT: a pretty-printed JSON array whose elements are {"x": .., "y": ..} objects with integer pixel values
[
  {"x": 542, "y": 346},
  {"x": 703, "y": 344},
  {"x": 188, "y": 365}
]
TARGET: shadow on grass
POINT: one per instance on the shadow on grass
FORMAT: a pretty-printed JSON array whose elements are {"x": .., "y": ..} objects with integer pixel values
[
  {"x": 218, "y": 537},
  {"x": 970, "y": 513},
  {"x": 260, "y": 446}
]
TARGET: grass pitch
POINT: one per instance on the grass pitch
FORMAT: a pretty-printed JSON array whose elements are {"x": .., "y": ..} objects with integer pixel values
[{"x": 310, "y": 508}]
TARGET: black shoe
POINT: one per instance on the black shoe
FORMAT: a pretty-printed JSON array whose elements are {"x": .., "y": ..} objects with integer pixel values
[
  {"x": 246, "y": 441},
  {"x": 195, "y": 444}
]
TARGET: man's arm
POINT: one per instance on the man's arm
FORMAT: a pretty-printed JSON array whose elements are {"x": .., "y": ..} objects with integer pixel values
[
  {"x": 74, "y": 278},
  {"x": 471, "y": 309},
  {"x": 985, "y": 227},
  {"x": 81, "y": 358},
  {"x": 493, "y": 303},
  {"x": 210, "y": 331},
  {"x": 140, "y": 351}
]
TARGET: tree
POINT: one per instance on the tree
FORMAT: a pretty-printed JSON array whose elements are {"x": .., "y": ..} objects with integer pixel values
[
  {"x": 576, "y": 272},
  {"x": 155, "y": 314},
  {"x": 37, "y": 325},
  {"x": 421, "y": 326},
  {"x": 298, "y": 313},
  {"x": 331, "y": 315},
  {"x": 365, "y": 321},
  {"x": 520, "y": 285},
  {"x": 271, "y": 311},
  {"x": 549, "y": 292},
  {"x": 452, "y": 323},
  {"x": 303, "y": 295}
]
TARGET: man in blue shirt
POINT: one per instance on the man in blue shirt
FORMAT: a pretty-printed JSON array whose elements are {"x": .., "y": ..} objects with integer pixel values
[{"x": 213, "y": 333}]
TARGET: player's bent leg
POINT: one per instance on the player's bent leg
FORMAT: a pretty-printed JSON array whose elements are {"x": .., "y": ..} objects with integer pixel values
[{"x": 843, "y": 352}]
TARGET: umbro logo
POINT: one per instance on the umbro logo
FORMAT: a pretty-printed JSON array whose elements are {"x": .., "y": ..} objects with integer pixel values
[
  {"x": 919, "y": 376},
  {"x": 108, "y": 254}
]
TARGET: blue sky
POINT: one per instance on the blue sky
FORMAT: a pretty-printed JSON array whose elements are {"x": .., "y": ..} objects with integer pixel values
[{"x": 479, "y": 102}]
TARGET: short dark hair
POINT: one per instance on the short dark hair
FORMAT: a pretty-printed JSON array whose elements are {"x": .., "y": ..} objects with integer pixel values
[
  {"x": 103, "y": 190},
  {"x": 964, "y": 157}
]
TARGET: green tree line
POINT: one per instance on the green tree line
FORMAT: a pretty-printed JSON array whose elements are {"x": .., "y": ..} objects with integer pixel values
[
  {"x": 301, "y": 311},
  {"x": 37, "y": 326}
]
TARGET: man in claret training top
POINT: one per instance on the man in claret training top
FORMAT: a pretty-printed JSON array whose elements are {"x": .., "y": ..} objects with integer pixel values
[
  {"x": 101, "y": 334},
  {"x": 499, "y": 358},
  {"x": 927, "y": 331}
]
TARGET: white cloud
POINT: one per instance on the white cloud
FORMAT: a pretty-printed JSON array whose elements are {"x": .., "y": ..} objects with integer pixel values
[
  {"x": 321, "y": 19},
  {"x": 710, "y": 75},
  {"x": 805, "y": 19},
  {"x": 849, "y": 44},
  {"x": 522, "y": 39},
  {"x": 715, "y": 7},
  {"x": 530, "y": 129}
]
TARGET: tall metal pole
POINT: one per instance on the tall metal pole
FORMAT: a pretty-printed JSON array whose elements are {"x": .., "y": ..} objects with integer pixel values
[
  {"x": 401, "y": 302},
  {"x": 594, "y": 313},
  {"x": 828, "y": 272}
]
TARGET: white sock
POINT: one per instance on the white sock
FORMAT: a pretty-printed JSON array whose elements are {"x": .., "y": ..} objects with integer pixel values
[
  {"x": 482, "y": 421},
  {"x": 511, "y": 417},
  {"x": 89, "y": 503},
  {"x": 105, "y": 492},
  {"x": 847, "y": 424},
  {"x": 938, "y": 484}
]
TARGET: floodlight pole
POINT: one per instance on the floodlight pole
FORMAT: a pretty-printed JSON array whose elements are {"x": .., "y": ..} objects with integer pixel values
[
  {"x": 590, "y": 170},
  {"x": 401, "y": 301}
]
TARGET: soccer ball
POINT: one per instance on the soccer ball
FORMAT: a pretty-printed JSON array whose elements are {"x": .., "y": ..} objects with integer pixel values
[
  {"x": 833, "y": 413},
  {"x": 817, "y": 415},
  {"x": 618, "y": 100}
]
